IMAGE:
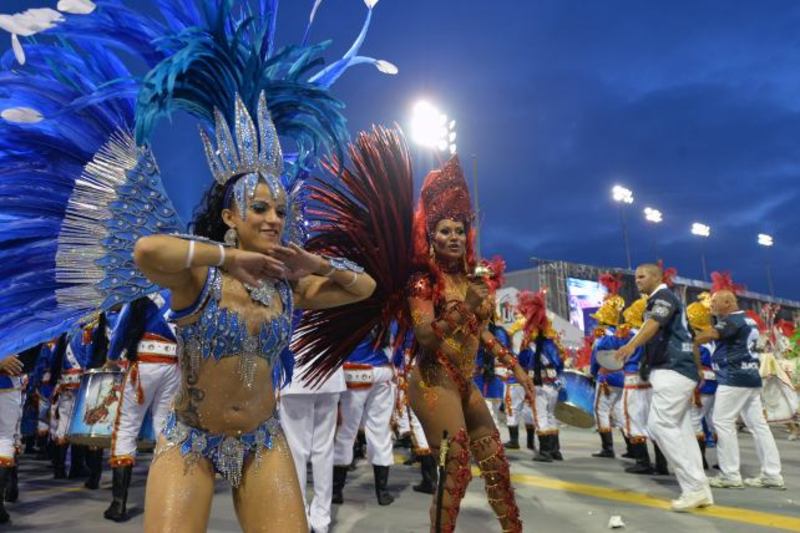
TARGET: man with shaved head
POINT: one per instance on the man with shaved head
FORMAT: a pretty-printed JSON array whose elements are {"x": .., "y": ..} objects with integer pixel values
[
  {"x": 669, "y": 358},
  {"x": 739, "y": 394}
]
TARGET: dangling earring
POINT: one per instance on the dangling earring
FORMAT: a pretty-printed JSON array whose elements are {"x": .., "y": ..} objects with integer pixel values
[
  {"x": 231, "y": 237},
  {"x": 431, "y": 253}
]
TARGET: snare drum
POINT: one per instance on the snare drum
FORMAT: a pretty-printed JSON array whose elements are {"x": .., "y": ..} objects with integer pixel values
[
  {"x": 576, "y": 400},
  {"x": 96, "y": 407}
]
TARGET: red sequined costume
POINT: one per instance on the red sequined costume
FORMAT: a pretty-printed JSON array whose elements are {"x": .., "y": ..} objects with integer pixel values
[{"x": 449, "y": 331}]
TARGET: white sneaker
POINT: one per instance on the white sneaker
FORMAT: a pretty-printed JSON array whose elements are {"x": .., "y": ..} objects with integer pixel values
[
  {"x": 766, "y": 482},
  {"x": 724, "y": 482},
  {"x": 693, "y": 500}
]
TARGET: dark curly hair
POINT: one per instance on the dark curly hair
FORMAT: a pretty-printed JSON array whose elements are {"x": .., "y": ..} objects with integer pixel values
[{"x": 207, "y": 220}]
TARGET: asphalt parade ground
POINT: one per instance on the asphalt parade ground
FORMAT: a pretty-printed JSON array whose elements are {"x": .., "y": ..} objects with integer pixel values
[{"x": 579, "y": 494}]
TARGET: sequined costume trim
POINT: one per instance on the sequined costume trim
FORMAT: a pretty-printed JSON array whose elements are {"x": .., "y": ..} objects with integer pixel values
[
  {"x": 493, "y": 463},
  {"x": 457, "y": 479},
  {"x": 226, "y": 453},
  {"x": 222, "y": 332}
]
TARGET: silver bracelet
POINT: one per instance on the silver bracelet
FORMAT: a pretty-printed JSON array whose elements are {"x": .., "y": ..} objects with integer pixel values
[
  {"x": 355, "y": 279},
  {"x": 190, "y": 255},
  {"x": 221, "y": 255}
]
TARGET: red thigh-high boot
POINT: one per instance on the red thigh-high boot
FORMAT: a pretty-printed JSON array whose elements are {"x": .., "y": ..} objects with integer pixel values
[
  {"x": 491, "y": 457},
  {"x": 458, "y": 476}
]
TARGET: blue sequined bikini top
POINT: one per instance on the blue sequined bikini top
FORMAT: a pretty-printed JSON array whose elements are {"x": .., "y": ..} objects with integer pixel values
[{"x": 221, "y": 332}]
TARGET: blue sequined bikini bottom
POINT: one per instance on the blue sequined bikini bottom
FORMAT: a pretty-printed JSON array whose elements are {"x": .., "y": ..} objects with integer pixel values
[{"x": 227, "y": 453}]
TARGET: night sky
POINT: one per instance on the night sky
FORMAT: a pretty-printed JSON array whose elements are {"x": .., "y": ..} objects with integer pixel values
[{"x": 692, "y": 105}]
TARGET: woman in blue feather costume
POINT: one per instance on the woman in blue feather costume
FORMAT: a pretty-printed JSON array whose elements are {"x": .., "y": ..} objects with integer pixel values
[{"x": 87, "y": 224}]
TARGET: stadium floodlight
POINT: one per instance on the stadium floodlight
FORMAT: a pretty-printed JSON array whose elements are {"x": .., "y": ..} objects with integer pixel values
[
  {"x": 653, "y": 215},
  {"x": 701, "y": 230}
]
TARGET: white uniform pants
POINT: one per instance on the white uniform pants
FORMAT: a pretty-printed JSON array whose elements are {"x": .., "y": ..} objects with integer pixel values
[
  {"x": 64, "y": 406},
  {"x": 373, "y": 405},
  {"x": 407, "y": 422},
  {"x": 731, "y": 403},
  {"x": 493, "y": 404},
  {"x": 608, "y": 411},
  {"x": 704, "y": 410},
  {"x": 309, "y": 423},
  {"x": 669, "y": 424},
  {"x": 636, "y": 399},
  {"x": 517, "y": 408},
  {"x": 545, "y": 406},
  {"x": 159, "y": 382},
  {"x": 10, "y": 417},
  {"x": 43, "y": 421}
]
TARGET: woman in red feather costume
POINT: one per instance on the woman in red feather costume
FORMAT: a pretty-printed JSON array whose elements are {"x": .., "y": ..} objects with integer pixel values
[{"x": 450, "y": 311}]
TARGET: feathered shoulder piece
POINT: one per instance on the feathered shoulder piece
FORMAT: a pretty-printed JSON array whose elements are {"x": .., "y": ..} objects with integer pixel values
[
  {"x": 364, "y": 215},
  {"x": 723, "y": 281}
]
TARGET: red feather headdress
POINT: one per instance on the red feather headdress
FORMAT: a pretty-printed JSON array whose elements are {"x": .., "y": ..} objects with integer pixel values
[
  {"x": 722, "y": 281},
  {"x": 497, "y": 269},
  {"x": 669, "y": 274},
  {"x": 533, "y": 306}
]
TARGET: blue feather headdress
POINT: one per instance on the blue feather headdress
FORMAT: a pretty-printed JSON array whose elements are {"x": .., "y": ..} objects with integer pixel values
[{"x": 78, "y": 181}]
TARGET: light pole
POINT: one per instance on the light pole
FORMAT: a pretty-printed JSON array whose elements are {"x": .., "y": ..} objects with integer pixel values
[
  {"x": 766, "y": 241},
  {"x": 703, "y": 231},
  {"x": 623, "y": 197},
  {"x": 653, "y": 216}
]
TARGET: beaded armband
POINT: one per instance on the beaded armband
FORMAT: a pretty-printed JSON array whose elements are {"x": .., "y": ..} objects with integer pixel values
[{"x": 341, "y": 264}]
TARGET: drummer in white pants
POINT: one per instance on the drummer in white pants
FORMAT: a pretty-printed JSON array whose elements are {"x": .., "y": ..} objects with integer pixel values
[
  {"x": 674, "y": 376},
  {"x": 518, "y": 410},
  {"x": 10, "y": 415},
  {"x": 739, "y": 394},
  {"x": 369, "y": 398},
  {"x": 308, "y": 418},
  {"x": 146, "y": 340}
]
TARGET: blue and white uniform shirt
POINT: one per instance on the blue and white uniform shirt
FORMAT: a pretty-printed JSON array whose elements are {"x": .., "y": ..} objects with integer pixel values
[{"x": 735, "y": 360}]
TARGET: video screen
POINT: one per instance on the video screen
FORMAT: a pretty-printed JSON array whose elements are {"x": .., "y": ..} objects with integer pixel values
[{"x": 585, "y": 297}]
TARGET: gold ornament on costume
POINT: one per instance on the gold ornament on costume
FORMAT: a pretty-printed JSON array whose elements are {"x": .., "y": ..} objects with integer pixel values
[
  {"x": 634, "y": 314},
  {"x": 699, "y": 312},
  {"x": 613, "y": 304}
]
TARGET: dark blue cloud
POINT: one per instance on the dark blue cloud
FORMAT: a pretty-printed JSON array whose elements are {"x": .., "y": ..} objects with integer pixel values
[{"x": 692, "y": 104}]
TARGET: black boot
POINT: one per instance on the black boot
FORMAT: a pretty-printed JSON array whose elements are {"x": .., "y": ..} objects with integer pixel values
[
  {"x": 30, "y": 442},
  {"x": 661, "y": 461},
  {"x": 5, "y": 472},
  {"x": 403, "y": 442},
  {"x": 628, "y": 448},
  {"x": 120, "y": 481},
  {"x": 555, "y": 453},
  {"x": 702, "y": 442},
  {"x": 413, "y": 458},
  {"x": 513, "y": 438},
  {"x": 607, "y": 441},
  {"x": 542, "y": 455},
  {"x": 44, "y": 448},
  {"x": 12, "y": 487},
  {"x": 339, "y": 479},
  {"x": 531, "y": 434},
  {"x": 94, "y": 459},
  {"x": 59, "y": 461},
  {"x": 381, "y": 474},
  {"x": 77, "y": 462},
  {"x": 428, "y": 470},
  {"x": 643, "y": 465}
]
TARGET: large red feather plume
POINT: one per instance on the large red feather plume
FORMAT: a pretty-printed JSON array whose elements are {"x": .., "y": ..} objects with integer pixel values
[
  {"x": 583, "y": 356},
  {"x": 364, "y": 214},
  {"x": 722, "y": 281},
  {"x": 612, "y": 282},
  {"x": 760, "y": 324}
]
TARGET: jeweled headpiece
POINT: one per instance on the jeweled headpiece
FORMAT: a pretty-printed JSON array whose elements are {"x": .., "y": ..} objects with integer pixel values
[
  {"x": 445, "y": 195},
  {"x": 613, "y": 304},
  {"x": 244, "y": 154}
]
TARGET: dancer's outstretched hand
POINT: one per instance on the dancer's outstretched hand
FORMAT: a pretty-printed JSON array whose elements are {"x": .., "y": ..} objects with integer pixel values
[{"x": 252, "y": 267}]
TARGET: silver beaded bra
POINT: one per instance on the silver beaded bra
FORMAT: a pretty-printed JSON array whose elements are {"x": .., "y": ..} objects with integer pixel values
[{"x": 221, "y": 332}]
